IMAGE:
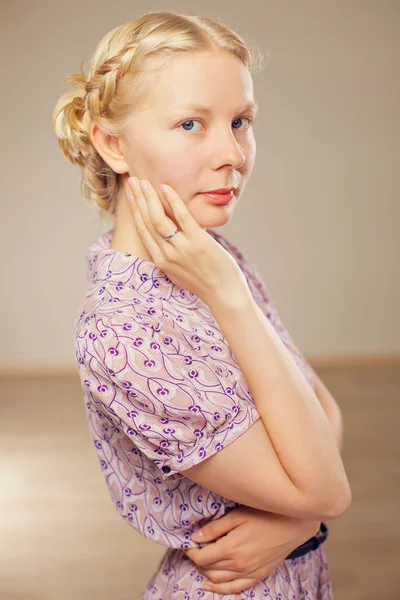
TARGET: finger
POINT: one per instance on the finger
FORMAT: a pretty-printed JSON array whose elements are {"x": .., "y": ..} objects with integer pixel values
[
  {"x": 222, "y": 576},
  {"x": 145, "y": 235},
  {"x": 215, "y": 529},
  {"x": 230, "y": 587},
  {"x": 222, "y": 583},
  {"x": 224, "y": 564},
  {"x": 234, "y": 567},
  {"x": 230, "y": 565},
  {"x": 141, "y": 202},
  {"x": 211, "y": 554},
  {"x": 228, "y": 574},
  {"x": 161, "y": 226},
  {"x": 183, "y": 216},
  {"x": 158, "y": 217}
]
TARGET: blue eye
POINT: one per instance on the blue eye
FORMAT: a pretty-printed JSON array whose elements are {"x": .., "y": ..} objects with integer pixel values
[
  {"x": 241, "y": 119},
  {"x": 235, "y": 121},
  {"x": 189, "y": 121}
]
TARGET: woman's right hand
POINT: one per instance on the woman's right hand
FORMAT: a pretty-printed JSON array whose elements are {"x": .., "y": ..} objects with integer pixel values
[
  {"x": 248, "y": 546},
  {"x": 192, "y": 259}
]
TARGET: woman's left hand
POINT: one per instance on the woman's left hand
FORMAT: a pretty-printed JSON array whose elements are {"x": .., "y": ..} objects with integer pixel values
[{"x": 250, "y": 544}]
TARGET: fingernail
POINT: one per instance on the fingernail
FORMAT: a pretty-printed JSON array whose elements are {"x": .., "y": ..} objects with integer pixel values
[
  {"x": 133, "y": 183},
  {"x": 199, "y": 535},
  {"x": 164, "y": 188}
]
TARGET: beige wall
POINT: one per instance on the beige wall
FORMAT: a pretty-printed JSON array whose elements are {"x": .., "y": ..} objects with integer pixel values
[{"x": 319, "y": 217}]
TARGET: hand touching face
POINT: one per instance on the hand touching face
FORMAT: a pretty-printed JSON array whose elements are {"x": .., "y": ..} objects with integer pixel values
[{"x": 192, "y": 258}]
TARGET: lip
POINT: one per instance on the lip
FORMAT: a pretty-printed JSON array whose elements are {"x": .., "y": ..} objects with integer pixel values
[
  {"x": 218, "y": 197},
  {"x": 220, "y": 191}
]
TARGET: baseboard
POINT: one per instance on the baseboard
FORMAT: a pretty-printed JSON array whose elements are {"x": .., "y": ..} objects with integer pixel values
[{"x": 341, "y": 361}]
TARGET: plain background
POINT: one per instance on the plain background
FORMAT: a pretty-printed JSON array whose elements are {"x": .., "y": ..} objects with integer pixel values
[{"x": 319, "y": 217}]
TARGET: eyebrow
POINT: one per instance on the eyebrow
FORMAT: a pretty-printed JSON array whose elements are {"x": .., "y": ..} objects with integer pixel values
[{"x": 204, "y": 109}]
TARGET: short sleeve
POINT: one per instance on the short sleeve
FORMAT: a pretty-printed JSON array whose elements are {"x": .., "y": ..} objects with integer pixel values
[{"x": 175, "y": 390}]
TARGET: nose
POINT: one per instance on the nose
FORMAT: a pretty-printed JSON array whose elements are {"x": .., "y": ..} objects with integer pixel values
[{"x": 226, "y": 149}]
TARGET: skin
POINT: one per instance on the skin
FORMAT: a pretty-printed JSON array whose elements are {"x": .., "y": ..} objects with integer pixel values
[
  {"x": 211, "y": 151},
  {"x": 214, "y": 151}
]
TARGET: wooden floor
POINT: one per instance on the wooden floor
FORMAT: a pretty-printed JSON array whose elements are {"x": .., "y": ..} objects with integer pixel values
[{"x": 62, "y": 539}]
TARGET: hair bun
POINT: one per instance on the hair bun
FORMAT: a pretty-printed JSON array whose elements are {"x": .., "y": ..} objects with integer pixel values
[
  {"x": 71, "y": 131},
  {"x": 115, "y": 84}
]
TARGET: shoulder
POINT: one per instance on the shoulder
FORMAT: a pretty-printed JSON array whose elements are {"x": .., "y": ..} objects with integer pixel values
[{"x": 145, "y": 329}]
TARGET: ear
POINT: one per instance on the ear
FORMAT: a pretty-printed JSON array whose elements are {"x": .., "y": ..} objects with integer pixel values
[{"x": 109, "y": 149}]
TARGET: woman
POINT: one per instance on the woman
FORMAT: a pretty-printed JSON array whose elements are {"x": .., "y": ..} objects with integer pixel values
[{"x": 202, "y": 410}]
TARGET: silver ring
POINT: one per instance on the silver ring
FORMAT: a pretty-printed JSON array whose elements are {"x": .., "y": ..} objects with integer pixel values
[{"x": 171, "y": 236}]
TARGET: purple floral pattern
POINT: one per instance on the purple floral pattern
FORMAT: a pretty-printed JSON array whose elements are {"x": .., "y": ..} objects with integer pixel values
[{"x": 163, "y": 392}]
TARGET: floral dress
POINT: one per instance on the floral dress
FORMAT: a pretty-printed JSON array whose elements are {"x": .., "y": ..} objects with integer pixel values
[{"x": 163, "y": 392}]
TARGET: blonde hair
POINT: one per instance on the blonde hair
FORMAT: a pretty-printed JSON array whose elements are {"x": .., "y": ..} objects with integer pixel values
[{"x": 119, "y": 66}]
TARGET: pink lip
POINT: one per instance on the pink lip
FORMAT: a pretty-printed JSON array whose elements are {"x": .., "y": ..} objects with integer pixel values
[
  {"x": 219, "y": 191},
  {"x": 218, "y": 197}
]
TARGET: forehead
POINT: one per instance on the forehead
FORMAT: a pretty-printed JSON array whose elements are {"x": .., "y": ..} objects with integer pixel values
[{"x": 200, "y": 78}]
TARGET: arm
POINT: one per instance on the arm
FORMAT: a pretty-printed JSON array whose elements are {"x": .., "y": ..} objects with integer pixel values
[
  {"x": 304, "y": 467},
  {"x": 331, "y": 409},
  {"x": 299, "y": 423},
  {"x": 327, "y": 402},
  {"x": 264, "y": 538},
  {"x": 245, "y": 546},
  {"x": 259, "y": 290}
]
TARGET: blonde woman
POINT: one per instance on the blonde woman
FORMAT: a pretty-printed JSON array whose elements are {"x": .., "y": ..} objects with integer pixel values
[{"x": 204, "y": 415}]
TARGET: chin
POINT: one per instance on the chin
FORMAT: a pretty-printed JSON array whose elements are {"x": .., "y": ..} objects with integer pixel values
[
  {"x": 209, "y": 215},
  {"x": 218, "y": 219}
]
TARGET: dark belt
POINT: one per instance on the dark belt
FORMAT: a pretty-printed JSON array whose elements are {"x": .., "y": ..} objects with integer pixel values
[{"x": 311, "y": 544}]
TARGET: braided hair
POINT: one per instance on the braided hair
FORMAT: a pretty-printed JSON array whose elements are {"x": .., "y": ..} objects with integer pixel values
[{"x": 118, "y": 75}]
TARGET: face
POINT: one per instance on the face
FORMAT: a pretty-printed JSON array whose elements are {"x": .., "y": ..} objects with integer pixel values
[{"x": 190, "y": 149}]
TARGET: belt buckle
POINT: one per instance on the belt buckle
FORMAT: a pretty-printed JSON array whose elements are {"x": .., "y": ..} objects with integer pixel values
[
  {"x": 312, "y": 544},
  {"x": 322, "y": 534}
]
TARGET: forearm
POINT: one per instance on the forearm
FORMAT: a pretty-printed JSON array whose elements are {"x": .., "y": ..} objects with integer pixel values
[
  {"x": 329, "y": 405},
  {"x": 299, "y": 429},
  {"x": 334, "y": 415}
]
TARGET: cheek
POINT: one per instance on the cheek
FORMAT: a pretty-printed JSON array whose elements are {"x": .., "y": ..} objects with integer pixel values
[
  {"x": 180, "y": 170},
  {"x": 250, "y": 150},
  {"x": 182, "y": 173}
]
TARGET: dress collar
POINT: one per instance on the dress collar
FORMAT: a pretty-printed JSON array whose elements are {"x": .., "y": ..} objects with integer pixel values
[{"x": 123, "y": 268}]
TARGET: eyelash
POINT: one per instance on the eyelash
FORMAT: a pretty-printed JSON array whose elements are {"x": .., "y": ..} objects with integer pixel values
[{"x": 250, "y": 119}]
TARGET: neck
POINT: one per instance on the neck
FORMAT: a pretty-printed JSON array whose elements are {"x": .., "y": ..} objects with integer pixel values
[{"x": 125, "y": 236}]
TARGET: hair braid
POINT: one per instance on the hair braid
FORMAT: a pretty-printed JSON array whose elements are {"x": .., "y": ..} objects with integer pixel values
[{"x": 116, "y": 84}]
